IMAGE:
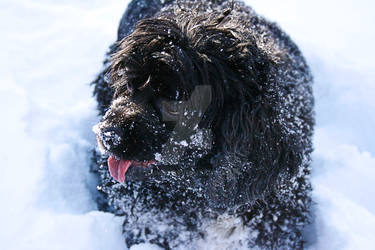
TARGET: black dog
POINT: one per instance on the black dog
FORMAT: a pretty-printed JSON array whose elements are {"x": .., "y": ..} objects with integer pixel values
[{"x": 207, "y": 124}]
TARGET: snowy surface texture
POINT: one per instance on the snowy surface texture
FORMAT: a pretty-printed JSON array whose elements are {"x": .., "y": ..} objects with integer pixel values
[{"x": 51, "y": 50}]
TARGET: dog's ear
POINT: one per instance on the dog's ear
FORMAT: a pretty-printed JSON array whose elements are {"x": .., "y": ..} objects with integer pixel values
[
  {"x": 254, "y": 151},
  {"x": 247, "y": 127}
]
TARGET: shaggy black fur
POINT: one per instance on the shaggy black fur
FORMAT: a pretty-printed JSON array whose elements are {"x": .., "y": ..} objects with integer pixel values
[{"x": 222, "y": 99}]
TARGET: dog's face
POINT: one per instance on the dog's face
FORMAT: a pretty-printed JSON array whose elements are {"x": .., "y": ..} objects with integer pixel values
[
  {"x": 151, "y": 133},
  {"x": 191, "y": 107},
  {"x": 158, "y": 126}
]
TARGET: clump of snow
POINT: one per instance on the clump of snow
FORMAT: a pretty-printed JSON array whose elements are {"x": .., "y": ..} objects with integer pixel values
[{"x": 51, "y": 50}]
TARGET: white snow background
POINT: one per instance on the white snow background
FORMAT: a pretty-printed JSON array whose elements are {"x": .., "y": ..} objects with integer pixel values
[{"x": 52, "y": 49}]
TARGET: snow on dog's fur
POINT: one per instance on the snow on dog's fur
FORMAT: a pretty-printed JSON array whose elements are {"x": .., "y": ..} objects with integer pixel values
[{"x": 206, "y": 129}]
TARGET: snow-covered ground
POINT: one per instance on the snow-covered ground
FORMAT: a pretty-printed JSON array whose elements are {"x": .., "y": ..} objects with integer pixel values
[{"x": 51, "y": 50}]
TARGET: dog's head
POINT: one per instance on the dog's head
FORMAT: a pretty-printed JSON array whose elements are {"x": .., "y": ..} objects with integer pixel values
[{"x": 192, "y": 106}]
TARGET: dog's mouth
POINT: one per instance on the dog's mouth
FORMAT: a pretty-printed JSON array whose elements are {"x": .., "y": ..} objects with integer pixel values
[{"x": 119, "y": 167}]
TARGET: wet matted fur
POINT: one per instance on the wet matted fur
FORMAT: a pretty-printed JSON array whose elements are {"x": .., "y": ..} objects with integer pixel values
[{"x": 234, "y": 94}]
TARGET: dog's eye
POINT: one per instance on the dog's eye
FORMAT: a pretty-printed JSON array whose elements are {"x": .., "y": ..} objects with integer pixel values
[{"x": 172, "y": 108}]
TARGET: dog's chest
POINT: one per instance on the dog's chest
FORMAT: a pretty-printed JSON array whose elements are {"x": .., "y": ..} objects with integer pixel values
[{"x": 224, "y": 233}]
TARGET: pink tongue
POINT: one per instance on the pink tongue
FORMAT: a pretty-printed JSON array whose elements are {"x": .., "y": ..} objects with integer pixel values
[{"x": 118, "y": 168}]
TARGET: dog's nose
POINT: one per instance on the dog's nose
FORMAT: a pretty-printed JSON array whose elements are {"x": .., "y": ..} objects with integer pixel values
[
  {"x": 111, "y": 137},
  {"x": 108, "y": 137}
]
